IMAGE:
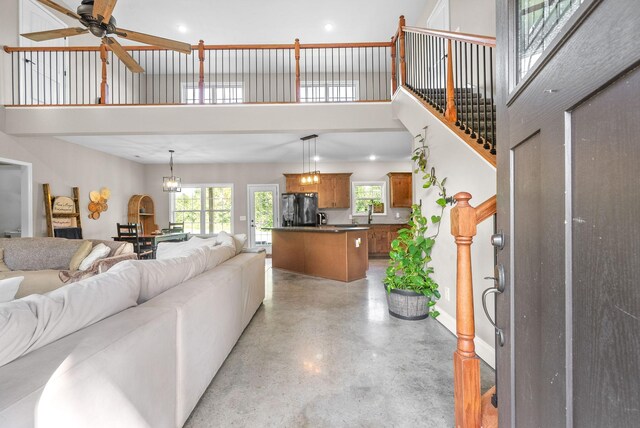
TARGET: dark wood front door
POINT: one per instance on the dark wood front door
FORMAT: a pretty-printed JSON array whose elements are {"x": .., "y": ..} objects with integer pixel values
[{"x": 569, "y": 203}]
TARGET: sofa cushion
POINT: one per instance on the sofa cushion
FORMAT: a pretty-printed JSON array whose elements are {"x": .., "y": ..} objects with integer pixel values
[
  {"x": 9, "y": 288},
  {"x": 39, "y": 253},
  {"x": 218, "y": 255},
  {"x": 119, "y": 372},
  {"x": 35, "y": 281},
  {"x": 157, "y": 276},
  {"x": 240, "y": 240},
  {"x": 98, "y": 252},
  {"x": 34, "y": 321},
  {"x": 80, "y": 255}
]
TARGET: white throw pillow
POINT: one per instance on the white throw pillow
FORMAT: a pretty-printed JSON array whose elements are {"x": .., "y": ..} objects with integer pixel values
[
  {"x": 170, "y": 250},
  {"x": 100, "y": 251},
  {"x": 223, "y": 238},
  {"x": 9, "y": 288},
  {"x": 240, "y": 241},
  {"x": 36, "y": 320}
]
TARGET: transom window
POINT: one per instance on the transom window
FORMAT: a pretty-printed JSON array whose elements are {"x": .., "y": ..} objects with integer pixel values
[
  {"x": 323, "y": 92},
  {"x": 205, "y": 209},
  {"x": 229, "y": 93},
  {"x": 369, "y": 193}
]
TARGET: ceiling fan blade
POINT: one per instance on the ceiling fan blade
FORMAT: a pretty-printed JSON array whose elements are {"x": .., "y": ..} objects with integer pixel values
[
  {"x": 123, "y": 55},
  {"x": 154, "y": 40},
  {"x": 41, "y": 36},
  {"x": 59, "y": 8},
  {"x": 104, "y": 9}
]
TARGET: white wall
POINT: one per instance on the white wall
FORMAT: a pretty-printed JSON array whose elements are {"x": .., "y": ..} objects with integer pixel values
[
  {"x": 64, "y": 165},
  {"x": 465, "y": 16},
  {"x": 266, "y": 173},
  {"x": 465, "y": 171},
  {"x": 10, "y": 197}
]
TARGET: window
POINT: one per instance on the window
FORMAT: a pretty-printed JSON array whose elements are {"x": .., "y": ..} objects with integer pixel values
[
  {"x": 369, "y": 193},
  {"x": 204, "y": 209},
  {"x": 322, "y": 92},
  {"x": 229, "y": 93}
]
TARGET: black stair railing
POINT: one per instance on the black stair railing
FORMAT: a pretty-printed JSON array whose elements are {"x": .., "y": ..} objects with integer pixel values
[{"x": 454, "y": 74}]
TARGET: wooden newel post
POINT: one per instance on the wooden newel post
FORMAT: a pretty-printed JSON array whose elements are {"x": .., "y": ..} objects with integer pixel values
[
  {"x": 451, "y": 114},
  {"x": 403, "y": 63},
  {"x": 297, "y": 56},
  {"x": 466, "y": 365},
  {"x": 104, "y": 87},
  {"x": 201, "y": 74},
  {"x": 394, "y": 82}
]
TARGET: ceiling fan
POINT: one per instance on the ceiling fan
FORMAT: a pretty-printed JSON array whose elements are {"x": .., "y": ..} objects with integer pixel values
[{"x": 95, "y": 16}]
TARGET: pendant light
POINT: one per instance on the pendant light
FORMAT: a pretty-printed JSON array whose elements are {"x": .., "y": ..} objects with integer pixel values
[
  {"x": 309, "y": 176},
  {"x": 172, "y": 183}
]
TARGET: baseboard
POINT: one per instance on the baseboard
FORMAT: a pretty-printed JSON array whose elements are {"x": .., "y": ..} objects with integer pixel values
[{"x": 485, "y": 351}]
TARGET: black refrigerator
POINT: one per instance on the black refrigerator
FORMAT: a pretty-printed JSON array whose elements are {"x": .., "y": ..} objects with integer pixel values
[{"x": 299, "y": 209}]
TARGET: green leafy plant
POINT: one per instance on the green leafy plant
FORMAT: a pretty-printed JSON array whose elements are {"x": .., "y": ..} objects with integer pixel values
[{"x": 410, "y": 253}]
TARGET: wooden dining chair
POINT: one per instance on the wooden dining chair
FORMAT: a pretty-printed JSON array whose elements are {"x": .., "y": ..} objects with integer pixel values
[
  {"x": 176, "y": 227},
  {"x": 131, "y": 232}
]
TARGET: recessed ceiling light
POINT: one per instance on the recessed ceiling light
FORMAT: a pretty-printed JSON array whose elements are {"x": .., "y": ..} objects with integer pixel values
[
  {"x": 316, "y": 158},
  {"x": 328, "y": 27},
  {"x": 182, "y": 28},
  {"x": 372, "y": 157}
]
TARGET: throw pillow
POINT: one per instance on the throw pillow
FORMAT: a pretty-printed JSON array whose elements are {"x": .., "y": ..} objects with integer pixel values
[
  {"x": 100, "y": 251},
  {"x": 9, "y": 288},
  {"x": 120, "y": 249},
  {"x": 239, "y": 240},
  {"x": 3, "y": 267},
  {"x": 80, "y": 255},
  {"x": 224, "y": 238}
]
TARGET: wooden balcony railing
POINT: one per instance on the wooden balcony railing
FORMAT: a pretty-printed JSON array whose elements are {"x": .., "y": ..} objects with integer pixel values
[
  {"x": 452, "y": 74},
  {"x": 212, "y": 74},
  {"x": 466, "y": 364}
]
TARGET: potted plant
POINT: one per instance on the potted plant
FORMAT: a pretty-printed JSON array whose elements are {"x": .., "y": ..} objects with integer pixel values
[{"x": 411, "y": 290}]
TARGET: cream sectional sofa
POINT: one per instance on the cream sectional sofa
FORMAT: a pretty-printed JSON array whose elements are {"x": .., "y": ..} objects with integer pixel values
[{"x": 146, "y": 365}]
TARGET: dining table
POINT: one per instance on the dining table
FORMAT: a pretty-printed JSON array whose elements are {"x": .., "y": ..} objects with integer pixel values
[{"x": 155, "y": 239}]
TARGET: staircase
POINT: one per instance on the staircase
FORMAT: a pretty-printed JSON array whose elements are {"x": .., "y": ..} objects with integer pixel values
[{"x": 452, "y": 75}]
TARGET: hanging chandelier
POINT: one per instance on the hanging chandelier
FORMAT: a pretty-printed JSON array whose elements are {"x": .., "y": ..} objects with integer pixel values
[
  {"x": 172, "y": 183},
  {"x": 309, "y": 176}
]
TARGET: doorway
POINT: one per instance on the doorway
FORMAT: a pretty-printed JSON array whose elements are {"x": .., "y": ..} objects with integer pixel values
[
  {"x": 263, "y": 214},
  {"x": 43, "y": 78},
  {"x": 16, "y": 194}
]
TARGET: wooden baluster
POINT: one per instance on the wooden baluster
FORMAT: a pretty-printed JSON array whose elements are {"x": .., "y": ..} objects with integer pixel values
[
  {"x": 394, "y": 83},
  {"x": 201, "y": 77},
  {"x": 451, "y": 114},
  {"x": 403, "y": 63},
  {"x": 297, "y": 56},
  {"x": 466, "y": 364},
  {"x": 104, "y": 87}
]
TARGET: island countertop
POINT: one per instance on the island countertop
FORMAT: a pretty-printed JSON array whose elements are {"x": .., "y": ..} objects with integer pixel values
[{"x": 320, "y": 229}]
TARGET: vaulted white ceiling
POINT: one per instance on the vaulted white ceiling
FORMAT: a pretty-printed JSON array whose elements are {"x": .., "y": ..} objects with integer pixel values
[
  {"x": 241, "y": 148},
  {"x": 266, "y": 21}
]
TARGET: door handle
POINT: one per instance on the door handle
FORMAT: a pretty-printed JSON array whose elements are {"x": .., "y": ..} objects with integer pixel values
[{"x": 499, "y": 280}]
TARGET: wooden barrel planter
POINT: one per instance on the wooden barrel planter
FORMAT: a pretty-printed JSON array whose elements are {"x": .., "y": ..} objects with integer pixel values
[{"x": 407, "y": 304}]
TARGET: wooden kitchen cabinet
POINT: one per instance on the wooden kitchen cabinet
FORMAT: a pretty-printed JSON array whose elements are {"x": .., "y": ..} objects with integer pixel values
[
  {"x": 401, "y": 184},
  {"x": 334, "y": 190},
  {"x": 380, "y": 236}
]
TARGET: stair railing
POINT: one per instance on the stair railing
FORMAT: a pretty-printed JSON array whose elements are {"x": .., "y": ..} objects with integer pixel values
[
  {"x": 453, "y": 74},
  {"x": 466, "y": 364}
]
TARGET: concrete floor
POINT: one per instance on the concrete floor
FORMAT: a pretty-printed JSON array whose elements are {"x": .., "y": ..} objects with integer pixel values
[{"x": 322, "y": 353}]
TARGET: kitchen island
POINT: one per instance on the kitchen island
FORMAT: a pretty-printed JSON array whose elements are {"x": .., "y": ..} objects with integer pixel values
[{"x": 338, "y": 253}]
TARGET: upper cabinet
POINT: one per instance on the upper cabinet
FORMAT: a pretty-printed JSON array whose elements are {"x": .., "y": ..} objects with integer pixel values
[
  {"x": 334, "y": 190},
  {"x": 401, "y": 185}
]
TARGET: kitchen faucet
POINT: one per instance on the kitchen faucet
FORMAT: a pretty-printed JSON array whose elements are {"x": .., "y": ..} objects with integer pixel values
[{"x": 370, "y": 215}]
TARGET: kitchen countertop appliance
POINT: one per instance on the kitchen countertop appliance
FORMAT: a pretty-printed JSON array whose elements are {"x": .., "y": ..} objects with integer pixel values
[
  {"x": 299, "y": 209},
  {"x": 322, "y": 218}
]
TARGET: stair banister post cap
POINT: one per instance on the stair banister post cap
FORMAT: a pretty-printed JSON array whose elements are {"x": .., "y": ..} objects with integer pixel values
[{"x": 463, "y": 217}]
